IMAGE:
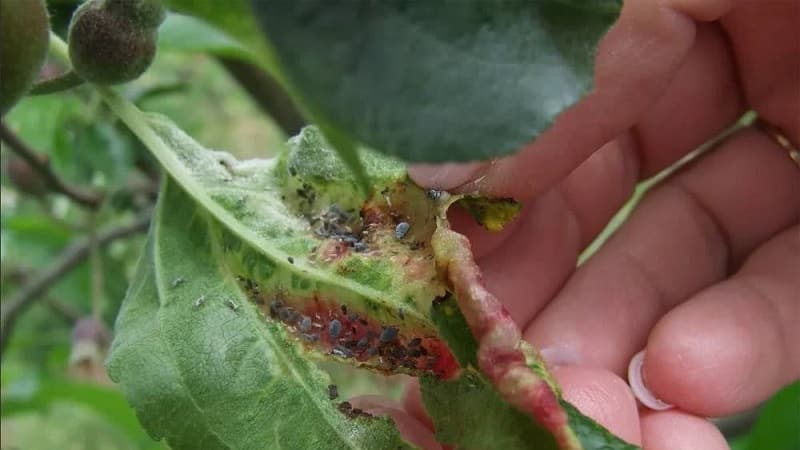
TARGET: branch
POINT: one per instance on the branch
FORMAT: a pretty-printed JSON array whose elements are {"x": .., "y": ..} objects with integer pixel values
[
  {"x": 39, "y": 284},
  {"x": 87, "y": 199},
  {"x": 268, "y": 94}
]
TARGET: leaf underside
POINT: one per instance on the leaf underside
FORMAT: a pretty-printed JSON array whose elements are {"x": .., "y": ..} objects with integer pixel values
[{"x": 212, "y": 345}]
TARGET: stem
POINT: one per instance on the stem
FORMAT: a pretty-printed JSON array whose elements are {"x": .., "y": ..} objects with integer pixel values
[
  {"x": 59, "y": 49},
  {"x": 39, "y": 284},
  {"x": 96, "y": 267},
  {"x": 87, "y": 199},
  {"x": 63, "y": 82}
]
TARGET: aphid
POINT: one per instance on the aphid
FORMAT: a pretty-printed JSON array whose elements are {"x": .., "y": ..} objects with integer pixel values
[
  {"x": 290, "y": 259},
  {"x": 305, "y": 324},
  {"x": 177, "y": 282},
  {"x": 275, "y": 306},
  {"x": 344, "y": 309},
  {"x": 341, "y": 351},
  {"x": 372, "y": 351},
  {"x": 345, "y": 407},
  {"x": 363, "y": 343},
  {"x": 352, "y": 317},
  {"x": 333, "y": 392},
  {"x": 311, "y": 337},
  {"x": 401, "y": 313},
  {"x": 388, "y": 334},
  {"x": 199, "y": 302},
  {"x": 292, "y": 171},
  {"x": 232, "y": 305},
  {"x": 415, "y": 342},
  {"x": 360, "y": 247},
  {"x": 434, "y": 194},
  {"x": 334, "y": 328},
  {"x": 288, "y": 314},
  {"x": 401, "y": 230}
]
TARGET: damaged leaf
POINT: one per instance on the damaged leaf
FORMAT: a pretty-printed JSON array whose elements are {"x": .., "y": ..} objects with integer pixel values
[{"x": 255, "y": 268}]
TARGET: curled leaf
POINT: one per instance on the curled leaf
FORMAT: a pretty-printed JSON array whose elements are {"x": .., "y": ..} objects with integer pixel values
[{"x": 256, "y": 268}]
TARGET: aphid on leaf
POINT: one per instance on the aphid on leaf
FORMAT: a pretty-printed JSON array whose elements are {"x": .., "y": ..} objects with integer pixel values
[
  {"x": 198, "y": 302},
  {"x": 434, "y": 194},
  {"x": 363, "y": 343},
  {"x": 290, "y": 259},
  {"x": 333, "y": 392},
  {"x": 401, "y": 313},
  {"x": 232, "y": 305},
  {"x": 388, "y": 334},
  {"x": 342, "y": 351},
  {"x": 334, "y": 328},
  {"x": 401, "y": 230},
  {"x": 311, "y": 337},
  {"x": 415, "y": 342},
  {"x": 305, "y": 324},
  {"x": 177, "y": 282}
]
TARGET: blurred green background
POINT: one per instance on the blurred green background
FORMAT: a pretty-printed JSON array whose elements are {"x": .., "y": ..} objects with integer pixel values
[{"x": 55, "y": 394}]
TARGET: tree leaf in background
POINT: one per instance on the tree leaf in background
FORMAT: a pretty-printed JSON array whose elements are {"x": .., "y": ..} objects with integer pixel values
[
  {"x": 189, "y": 34},
  {"x": 441, "y": 80},
  {"x": 776, "y": 427},
  {"x": 107, "y": 402},
  {"x": 233, "y": 17}
]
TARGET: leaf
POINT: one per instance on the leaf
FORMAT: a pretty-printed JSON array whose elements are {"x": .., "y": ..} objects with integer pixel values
[
  {"x": 233, "y": 17},
  {"x": 211, "y": 373},
  {"x": 188, "y": 34},
  {"x": 254, "y": 267},
  {"x": 776, "y": 427},
  {"x": 107, "y": 402},
  {"x": 441, "y": 80}
]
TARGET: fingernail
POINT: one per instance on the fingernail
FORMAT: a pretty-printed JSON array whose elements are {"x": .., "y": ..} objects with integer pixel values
[
  {"x": 560, "y": 355},
  {"x": 445, "y": 176},
  {"x": 636, "y": 382}
]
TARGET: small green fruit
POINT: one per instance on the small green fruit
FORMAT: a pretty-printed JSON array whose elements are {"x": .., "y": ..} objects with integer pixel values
[
  {"x": 24, "y": 36},
  {"x": 113, "y": 41}
]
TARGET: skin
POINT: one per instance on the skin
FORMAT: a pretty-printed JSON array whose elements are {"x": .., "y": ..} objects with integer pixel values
[{"x": 703, "y": 276}]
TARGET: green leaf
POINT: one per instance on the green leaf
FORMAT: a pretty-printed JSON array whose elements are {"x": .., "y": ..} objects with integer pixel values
[
  {"x": 468, "y": 413},
  {"x": 105, "y": 401},
  {"x": 233, "y": 17},
  {"x": 202, "y": 367},
  {"x": 440, "y": 80},
  {"x": 242, "y": 252},
  {"x": 189, "y": 34},
  {"x": 776, "y": 427}
]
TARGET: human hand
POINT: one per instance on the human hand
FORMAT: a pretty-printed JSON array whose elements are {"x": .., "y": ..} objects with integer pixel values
[{"x": 704, "y": 276}]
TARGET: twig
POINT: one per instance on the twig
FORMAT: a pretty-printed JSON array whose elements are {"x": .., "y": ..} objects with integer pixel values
[
  {"x": 88, "y": 199},
  {"x": 39, "y": 284}
]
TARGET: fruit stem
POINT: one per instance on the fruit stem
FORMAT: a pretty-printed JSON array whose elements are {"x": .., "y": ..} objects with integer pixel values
[{"x": 63, "y": 82}]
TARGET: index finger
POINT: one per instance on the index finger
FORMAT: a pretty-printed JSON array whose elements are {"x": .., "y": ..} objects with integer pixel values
[{"x": 636, "y": 64}]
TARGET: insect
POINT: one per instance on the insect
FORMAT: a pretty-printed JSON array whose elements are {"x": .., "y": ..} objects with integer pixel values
[
  {"x": 334, "y": 328},
  {"x": 232, "y": 305},
  {"x": 199, "y": 302},
  {"x": 401, "y": 230},
  {"x": 290, "y": 259},
  {"x": 305, "y": 324},
  {"x": 434, "y": 194},
  {"x": 333, "y": 392},
  {"x": 177, "y": 282},
  {"x": 388, "y": 334}
]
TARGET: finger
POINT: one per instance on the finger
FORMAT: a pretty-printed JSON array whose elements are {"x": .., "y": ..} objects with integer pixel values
[
  {"x": 604, "y": 397},
  {"x": 767, "y": 61},
  {"x": 676, "y": 430},
  {"x": 686, "y": 234},
  {"x": 701, "y": 100},
  {"x": 655, "y": 36},
  {"x": 735, "y": 343}
]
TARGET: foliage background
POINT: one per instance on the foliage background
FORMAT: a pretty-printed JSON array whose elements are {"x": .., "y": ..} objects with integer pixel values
[{"x": 49, "y": 400}]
